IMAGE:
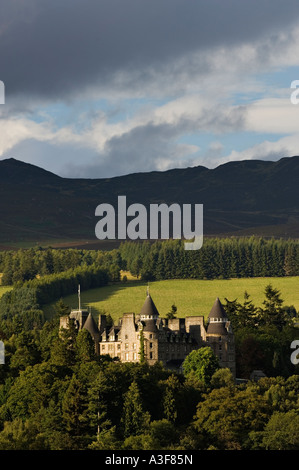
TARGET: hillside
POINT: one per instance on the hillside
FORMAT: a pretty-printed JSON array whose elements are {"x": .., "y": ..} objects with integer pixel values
[
  {"x": 239, "y": 198},
  {"x": 118, "y": 298}
]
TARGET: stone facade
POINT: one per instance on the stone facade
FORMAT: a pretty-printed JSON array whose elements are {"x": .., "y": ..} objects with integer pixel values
[{"x": 164, "y": 340}]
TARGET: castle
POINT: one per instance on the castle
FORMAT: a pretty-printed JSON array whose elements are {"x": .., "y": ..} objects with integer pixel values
[{"x": 159, "y": 339}]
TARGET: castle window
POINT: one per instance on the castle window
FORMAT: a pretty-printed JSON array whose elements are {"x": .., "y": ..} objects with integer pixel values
[
  {"x": 118, "y": 346},
  {"x": 112, "y": 338},
  {"x": 151, "y": 355},
  {"x": 126, "y": 336},
  {"x": 151, "y": 336},
  {"x": 127, "y": 346},
  {"x": 220, "y": 338},
  {"x": 134, "y": 356},
  {"x": 103, "y": 347},
  {"x": 127, "y": 356},
  {"x": 151, "y": 345},
  {"x": 134, "y": 345}
]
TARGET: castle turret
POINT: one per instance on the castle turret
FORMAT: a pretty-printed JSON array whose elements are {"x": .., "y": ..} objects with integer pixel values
[
  {"x": 217, "y": 319},
  {"x": 220, "y": 337},
  {"x": 149, "y": 316},
  {"x": 149, "y": 310}
]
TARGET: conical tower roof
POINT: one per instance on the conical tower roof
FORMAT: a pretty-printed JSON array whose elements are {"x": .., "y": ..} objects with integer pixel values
[
  {"x": 217, "y": 319},
  {"x": 218, "y": 311},
  {"x": 90, "y": 326},
  {"x": 149, "y": 309}
]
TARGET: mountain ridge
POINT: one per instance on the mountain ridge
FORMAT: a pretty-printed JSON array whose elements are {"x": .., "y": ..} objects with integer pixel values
[{"x": 248, "y": 197}]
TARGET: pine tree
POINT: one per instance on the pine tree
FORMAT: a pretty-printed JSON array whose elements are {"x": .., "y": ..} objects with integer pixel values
[
  {"x": 134, "y": 419},
  {"x": 170, "y": 405},
  {"x": 61, "y": 309},
  {"x": 64, "y": 348},
  {"x": 273, "y": 312},
  {"x": 171, "y": 314},
  {"x": 85, "y": 347},
  {"x": 73, "y": 406}
]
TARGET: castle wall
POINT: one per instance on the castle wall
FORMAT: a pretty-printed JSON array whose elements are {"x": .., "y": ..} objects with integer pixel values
[
  {"x": 151, "y": 346},
  {"x": 195, "y": 326},
  {"x": 113, "y": 348},
  {"x": 129, "y": 339},
  {"x": 224, "y": 348}
]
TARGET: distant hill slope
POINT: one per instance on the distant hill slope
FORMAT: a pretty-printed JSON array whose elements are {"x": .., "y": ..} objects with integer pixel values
[{"x": 240, "y": 198}]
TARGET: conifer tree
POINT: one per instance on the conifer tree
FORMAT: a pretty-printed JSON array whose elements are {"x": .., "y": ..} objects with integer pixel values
[
  {"x": 134, "y": 418},
  {"x": 170, "y": 402},
  {"x": 273, "y": 312},
  {"x": 73, "y": 405},
  {"x": 85, "y": 347},
  {"x": 171, "y": 314}
]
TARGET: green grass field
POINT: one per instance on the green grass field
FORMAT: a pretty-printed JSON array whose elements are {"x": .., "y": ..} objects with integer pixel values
[
  {"x": 191, "y": 297},
  {"x": 4, "y": 289}
]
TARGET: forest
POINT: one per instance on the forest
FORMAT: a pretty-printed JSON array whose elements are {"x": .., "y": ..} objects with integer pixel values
[
  {"x": 220, "y": 258},
  {"x": 56, "y": 394}
]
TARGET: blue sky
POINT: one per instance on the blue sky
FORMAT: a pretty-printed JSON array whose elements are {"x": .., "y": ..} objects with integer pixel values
[{"x": 104, "y": 88}]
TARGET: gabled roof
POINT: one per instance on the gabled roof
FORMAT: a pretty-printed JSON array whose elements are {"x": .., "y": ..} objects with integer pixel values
[
  {"x": 218, "y": 311},
  {"x": 114, "y": 330}
]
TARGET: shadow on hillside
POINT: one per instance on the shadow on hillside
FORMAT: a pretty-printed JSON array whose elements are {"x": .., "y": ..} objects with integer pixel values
[{"x": 92, "y": 298}]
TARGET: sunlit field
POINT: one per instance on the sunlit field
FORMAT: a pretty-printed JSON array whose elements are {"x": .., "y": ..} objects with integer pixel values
[{"x": 191, "y": 297}]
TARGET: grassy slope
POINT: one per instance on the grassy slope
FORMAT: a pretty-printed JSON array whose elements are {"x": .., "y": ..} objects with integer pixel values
[
  {"x": 4, "y": 289},
  {"x": 192, "y": 297}
]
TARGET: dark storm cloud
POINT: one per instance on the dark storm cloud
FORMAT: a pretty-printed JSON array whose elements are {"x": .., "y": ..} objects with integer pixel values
[{"x": 54, "y": 48}]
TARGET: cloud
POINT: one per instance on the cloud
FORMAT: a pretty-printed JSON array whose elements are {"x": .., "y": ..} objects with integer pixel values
[
  {"x": 166, "y": 69},
  {"x": 273, "y": 116},
  {"x": 267, "y": 150},
  {"x": 62, "y": 48}
]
